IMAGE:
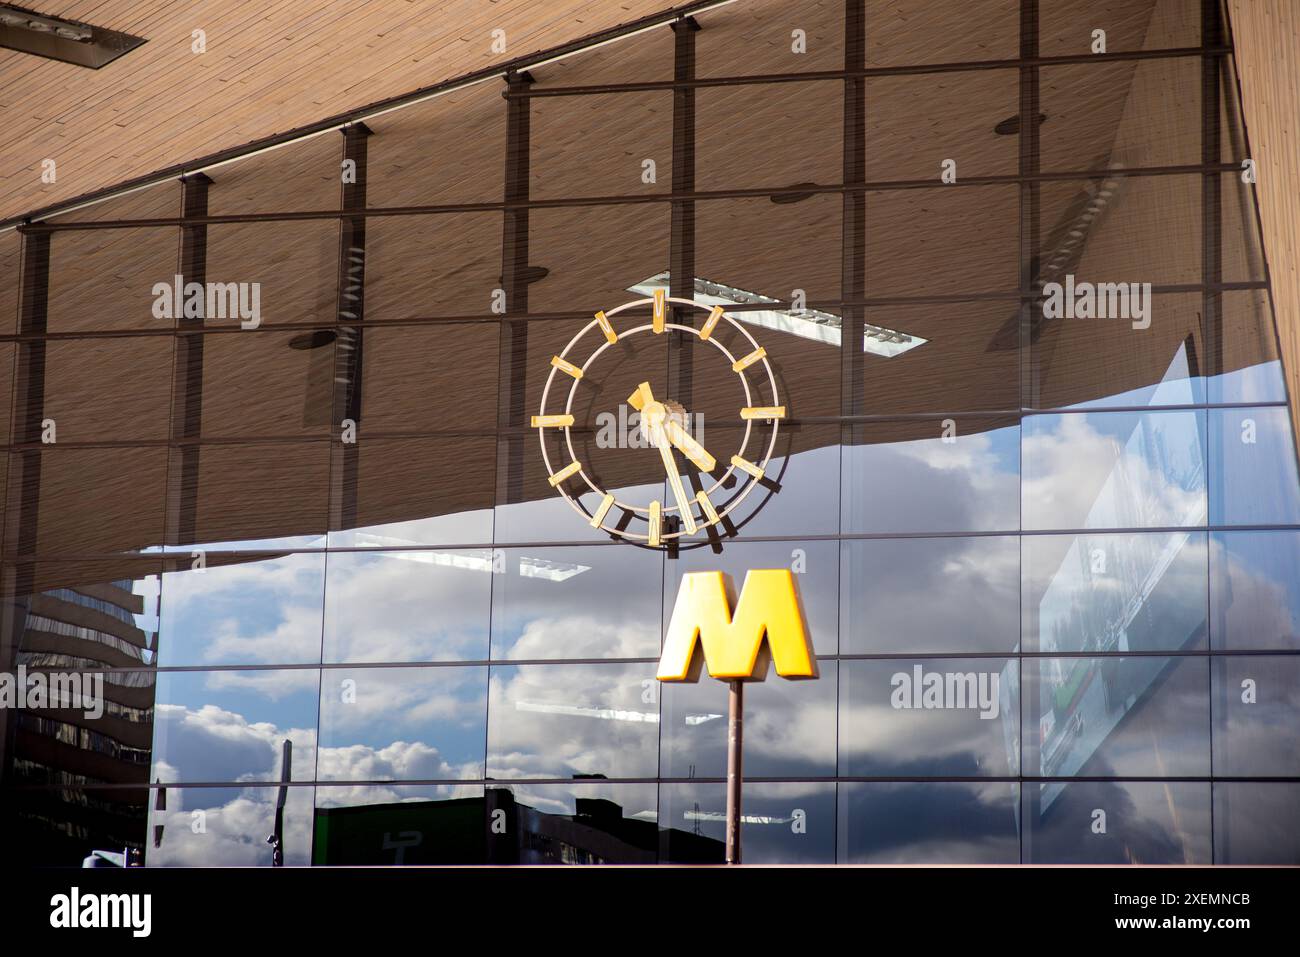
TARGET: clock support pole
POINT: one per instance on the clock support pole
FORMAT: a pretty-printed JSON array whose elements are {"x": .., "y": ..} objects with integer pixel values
[{"x": 735, "y": 772}]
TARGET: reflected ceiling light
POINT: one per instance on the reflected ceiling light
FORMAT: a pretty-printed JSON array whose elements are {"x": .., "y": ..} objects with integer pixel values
[
  {"x": 697, "y": 719},
  {"x": 744, "y": 818},
  {"x": 1011, "y": 125},
  {"x": 602, "y": 714},
  {"x": 805, "y": 323},
  {"x": 55, "y": 38},
  {"x": 551, "y": 571}
]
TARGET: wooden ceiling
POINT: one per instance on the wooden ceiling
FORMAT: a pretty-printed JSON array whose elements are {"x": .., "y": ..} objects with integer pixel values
[{"x": 270, "y": 66}]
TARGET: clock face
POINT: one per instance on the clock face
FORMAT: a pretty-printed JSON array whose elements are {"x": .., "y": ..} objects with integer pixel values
[{"x": 704, "y": 481}]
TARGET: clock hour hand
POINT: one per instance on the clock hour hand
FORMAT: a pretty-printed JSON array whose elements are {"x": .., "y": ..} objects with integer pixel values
[{"x": 687, "y": 445}]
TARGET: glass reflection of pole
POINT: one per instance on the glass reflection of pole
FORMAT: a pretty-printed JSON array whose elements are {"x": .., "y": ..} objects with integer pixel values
[
  {"x": 276, "y": 840},
  {"x": 735, "y": 773}
]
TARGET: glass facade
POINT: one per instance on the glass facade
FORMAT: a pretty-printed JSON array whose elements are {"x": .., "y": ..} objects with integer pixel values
[{"x": 307, "y": 546}]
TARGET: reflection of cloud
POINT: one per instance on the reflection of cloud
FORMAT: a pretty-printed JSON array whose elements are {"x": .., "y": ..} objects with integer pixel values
[
  {"x": 399, "y": 761},
  {"x": 272, "y": 685},
  {"x": 213, "y": 744},
  {"x": 585, "y": 636},
  {"x": 232, "y": 834}
]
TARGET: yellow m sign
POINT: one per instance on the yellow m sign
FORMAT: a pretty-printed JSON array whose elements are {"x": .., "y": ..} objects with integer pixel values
[{"x": 768, "y": 623}]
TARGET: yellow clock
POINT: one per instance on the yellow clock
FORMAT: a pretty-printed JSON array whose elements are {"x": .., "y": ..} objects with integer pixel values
[{"x": 720, "y": 490}]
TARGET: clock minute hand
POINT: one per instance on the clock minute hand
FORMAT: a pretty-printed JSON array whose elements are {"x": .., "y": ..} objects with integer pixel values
[{"x": 679, "y": 493}]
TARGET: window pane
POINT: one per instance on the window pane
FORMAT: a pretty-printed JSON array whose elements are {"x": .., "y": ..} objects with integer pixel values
[
  {"x": 933, "y": 475},
  {"x": 779, "y": 823},
  {"x": 934, "y": 717},
  {"x": 582, "y": 602},
  {"x": 1254, "y": 822},
  {"x": 400, "y": 824},
  {"x": 789, "y": 727},
  {"x": 232, "y": 612},
  {"x": 400, "y": 394},
  {"x": 236, "y": 825},
  {"x": 1255, "y": 591},
  {"x": 291, "y": 269},
  {"x": 1099, "y": 593},
  {"x": 751, "y": 38},
  {"x": 1065, "y": 29},
  {"x": 562, "y": 721},
  {"x": 1116, "y": 716},
  {"x": 104, "y": 279},
  {"x": 402, "y": 724},
  {"x": 1256, "y": 712},
  {"x": 1114, "y": 470},
  {"x": 1253, "y": 467},
  {"x": 929, "y": 823},
  {"x": 956, "y": 595},
  {"x": 410, "y": 605},
  {"x": 218, "y": 726},
  {"x": 64, "y": 827},
  {"x": 623, "y": 129},
  {"x": 435, "y": 265},
  {"x": 583, "y": 823},
  {"x": 1145, "y": 822},
  {"x": 1251, "y": 370}
]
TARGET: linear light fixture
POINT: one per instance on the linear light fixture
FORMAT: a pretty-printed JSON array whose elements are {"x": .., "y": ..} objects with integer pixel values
[
  {"x": 806, "y": 323},
  {"x": 69, "y": 41}
]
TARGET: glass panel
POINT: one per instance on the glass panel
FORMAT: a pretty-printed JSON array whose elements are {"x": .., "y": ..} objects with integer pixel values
[
  {"x": 85, "y": 501},
  {"x": 1116, "y": 716},
  {"x": 771, "y": 249},
  {"x": 968, "y": 361},
  {"x": 929, "y": 823},
  {"x": 1155, "y": 358},
  {"x": 408, "y": 824},
  {"x": 250, "y": 496},
  {"x": 1114, "y": 470},
  {"x": 779, "y": 823},
  {"x": 436, "y": 377},
  {"x": 933, "y": 475},
  {"x": 11, "y": 244},
  {"x": 291, "y": 375},
  {"x": 1253, "y": 461},
  {"x": 1065, "y": 29},
  {"x": 88, "y": 614},
  {"x": 646, "y": 55},
  {"x": 218, "y": 726},
  {"x": 794, "y": 135},
  {"x": 402, "y": 724},
  {"x": 925, "y": 34},
  {"x": 1254, "y": 823},
  {"x": 1102, "y": 593},
  {"x": 582, "y": 602},
  {"x": 288, "y": 271},
  {"x": 956, "y": 595},
  {"x": 620, "y": 130},
  {"x": 1131, "y": 113},
  {"x": 751, "y": 38},
  {"x": 789, "y": 727},
  {"x": 588, "y": 822},
  {"x": 98, "y": 390},
  {"x": 1145, "y": 822},
  {"x": 1251, "y": 369},
  {"x": 436, "y": 265},
  {"x": 410, "y": 605},
  {"x": 936, "y": 717},
  {"x": 816, "y": 570},
  {"x": 450, "y": 149},
  {"x": 104, "y": 279},
  {"x": 931, "y": 242},
  {"x": 298, "y": 176},
  {"x": 227, "y": 827},
  {"x": 915, "y": 123},
  {"x": 67, "y": 827},
  {"x": 242, "y": 612},
  {"x": 1240, "y": 242},
  {"x": 562, "y": 721},
  {"x": 1256, "y": 712},
  {"x": 428, "y": 491},
  {"x": 1255, "y": 591}
]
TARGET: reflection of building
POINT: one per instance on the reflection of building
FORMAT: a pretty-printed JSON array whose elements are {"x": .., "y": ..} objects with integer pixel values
[{"x": 84, "y": 629}]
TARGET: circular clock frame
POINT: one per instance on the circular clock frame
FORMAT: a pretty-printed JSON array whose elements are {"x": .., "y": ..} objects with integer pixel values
[{"x": 702, "y": 521}]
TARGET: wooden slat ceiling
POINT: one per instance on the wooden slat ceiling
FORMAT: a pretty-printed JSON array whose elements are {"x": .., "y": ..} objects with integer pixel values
[{"x": 270, "y": 66}]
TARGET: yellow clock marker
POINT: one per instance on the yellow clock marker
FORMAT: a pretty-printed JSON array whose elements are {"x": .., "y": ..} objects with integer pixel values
[
  {"x": 744, "y": 363},
  {"x": 552, "y": 421},
  {"x": 571, "y": 469},
  {"x": 661, "y": 309},
  {"x": 747, "y": 466},
  {"x": 655, "y": 522},
  {"x": 763, "y": 412},
  {"x": 603, "y": 321},
  {"x": 606, "y": 504},
  {"x": 711, "y": 323},
  {"x": 565, "y": 366}
]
